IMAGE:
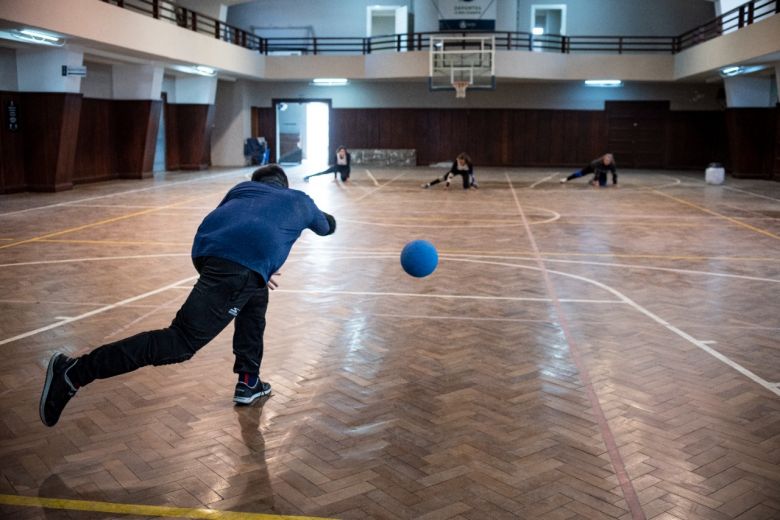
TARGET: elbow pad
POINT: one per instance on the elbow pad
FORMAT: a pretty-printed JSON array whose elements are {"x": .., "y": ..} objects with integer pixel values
[{"x": 331, "y": 223}]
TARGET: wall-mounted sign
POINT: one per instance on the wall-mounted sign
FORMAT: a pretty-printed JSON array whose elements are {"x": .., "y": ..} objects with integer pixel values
[
  {"x": 12, "y": 116},
  {"x": 74, "y": 71},
  {"x": 467, "y": 15}
]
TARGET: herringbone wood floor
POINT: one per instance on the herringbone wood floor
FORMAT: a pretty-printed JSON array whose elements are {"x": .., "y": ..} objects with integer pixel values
[{"x": 560, "y": 363}]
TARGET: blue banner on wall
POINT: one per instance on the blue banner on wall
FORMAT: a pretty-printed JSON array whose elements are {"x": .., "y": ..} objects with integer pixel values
[{"x": 467, "y": 15}]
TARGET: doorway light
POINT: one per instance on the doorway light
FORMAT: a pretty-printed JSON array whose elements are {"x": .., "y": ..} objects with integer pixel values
[
  {"x": 603, "y": 83},
  {"x": 538, "y": 31},
  {"x": 330, "y": 82}
]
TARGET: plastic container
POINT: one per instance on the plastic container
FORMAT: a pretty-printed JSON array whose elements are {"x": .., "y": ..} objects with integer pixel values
[{"x": 714, "y": 174}]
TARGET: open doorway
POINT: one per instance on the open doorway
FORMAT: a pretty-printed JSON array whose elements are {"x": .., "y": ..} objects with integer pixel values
[
  {"x": 302, "y": 131},
  {"x": 548, "y": 19},
  {"x": 159, "y": 148},
  {"x": 384, "y": 20}
]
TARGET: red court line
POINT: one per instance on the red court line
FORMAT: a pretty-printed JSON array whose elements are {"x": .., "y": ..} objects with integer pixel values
[{"x": 629, "y": 493}]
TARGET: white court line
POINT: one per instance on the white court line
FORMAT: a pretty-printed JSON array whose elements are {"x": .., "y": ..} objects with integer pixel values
[
  {"x": 95, "y": 311},
  {"x": 372, "y": 177},
  {"x": 458, "y": 318},
  {"x": 622, "y": 299},
  {"x": 717, "y": 355},
  {"x": 156, "y": 309},
  {"x": 370, "y": 254},
  {"x": 137, "y": 190},
  {"x": 751, "y": 193},
  {"x": 627, "y": 266},
  {"x": 439, "y": 296},
  {"x": 542, "y": 180}
]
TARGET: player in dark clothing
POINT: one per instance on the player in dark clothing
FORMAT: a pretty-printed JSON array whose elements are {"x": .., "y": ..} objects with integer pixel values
[
  {"x": 460, "y": 166},
  {"x": 341, "y": 166},
  {"x": 237, "y": 250},
  {"x": 599, "y": 168}
]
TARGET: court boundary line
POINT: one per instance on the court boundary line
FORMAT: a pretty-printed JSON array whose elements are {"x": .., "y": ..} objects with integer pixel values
[
  {"x": 100, "y": 222},
  {"x": 719, "y": 215},
  {"x": 137, "y": 190},
  {"x": 141, "y": 509}
]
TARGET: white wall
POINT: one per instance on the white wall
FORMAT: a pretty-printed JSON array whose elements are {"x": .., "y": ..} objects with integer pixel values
[
  {"x": 749, "y": 92},
  {"x": 227, "y": 139},
  {"x": 8, "y": 79},
  {"x": 282, "y": 18},
  {"x": 98, "y": 83},
  {"x": 514, "y": 94},
  {"x": 584, "y": 17},
  {"x": 39, "y": 69}
]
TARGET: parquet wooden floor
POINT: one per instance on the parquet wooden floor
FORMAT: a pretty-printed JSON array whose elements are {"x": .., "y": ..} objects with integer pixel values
[{"x": 580, "y": 353}]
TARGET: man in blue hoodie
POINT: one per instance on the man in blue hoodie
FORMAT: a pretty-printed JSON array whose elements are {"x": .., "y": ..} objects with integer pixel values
[{"x": 238, "y": 248}]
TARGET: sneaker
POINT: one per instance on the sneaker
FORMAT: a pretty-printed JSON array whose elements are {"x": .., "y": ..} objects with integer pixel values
[
  {"x": 57, "y": 389},
  {"x": 246, "y": 394},
  {"x": 305, "y": 179},
  {"x": 564, "y": 180},
  {"x": 426, "y": 185}
]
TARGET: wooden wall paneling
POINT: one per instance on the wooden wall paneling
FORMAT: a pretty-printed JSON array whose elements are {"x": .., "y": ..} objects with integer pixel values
[
  {"x": 171, "y": 137},
  {"x": 396, "y": 128},
  {"x": 135, "y": 130},
  {"x": 95, "y": 148},
  {"x": 188, "y": 136},
  {"x": 695, "y": 139},
  {"x": 751, "y": 140},
  {"x": 51, "y": 126},
  {"x": 523, "y": 137},
  {"x": 637, "y": 132},
  {"x": 484, "y": 137},
  {"x": 194, "y": 126},
  {"x": 12, "y": 168}
]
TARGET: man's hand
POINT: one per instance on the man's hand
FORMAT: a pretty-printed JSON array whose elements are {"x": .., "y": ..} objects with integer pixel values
[{"x": 273, "y": 284}]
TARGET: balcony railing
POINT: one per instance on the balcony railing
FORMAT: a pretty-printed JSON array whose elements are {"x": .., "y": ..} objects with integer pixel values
[{"x": 735, "y": 19}]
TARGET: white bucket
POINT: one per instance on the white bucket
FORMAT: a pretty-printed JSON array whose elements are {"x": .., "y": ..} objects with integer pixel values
[{"x": 714, "y": 174}]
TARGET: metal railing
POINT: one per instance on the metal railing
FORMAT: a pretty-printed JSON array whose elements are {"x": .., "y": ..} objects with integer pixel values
[{"x": 735, "y": 19}]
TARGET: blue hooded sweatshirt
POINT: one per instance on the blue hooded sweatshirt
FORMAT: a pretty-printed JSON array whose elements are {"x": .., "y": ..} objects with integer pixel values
[{"x": 256, "y": 225}]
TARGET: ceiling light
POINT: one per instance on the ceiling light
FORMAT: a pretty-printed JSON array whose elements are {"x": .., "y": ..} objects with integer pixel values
[
  {"x": 330, "y": 82},
  {"x": 603, "y": 83},
  {"x": 730, "y": 71},
  {"x": 538, "y": 31},
  {"x": 205, "y": 71},
  {"x": 39, "y": 37}
]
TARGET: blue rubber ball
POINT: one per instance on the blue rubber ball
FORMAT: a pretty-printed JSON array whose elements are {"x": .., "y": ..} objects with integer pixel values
[{"x": 419, "y": 258}]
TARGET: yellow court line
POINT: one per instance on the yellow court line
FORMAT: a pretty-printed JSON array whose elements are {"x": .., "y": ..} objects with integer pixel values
[
  {"x": 730, "y": 219},
  {"x": 114, "y": 242},
  {"x": 107, "y": 221},
  {"x": 142, "y": 510}
]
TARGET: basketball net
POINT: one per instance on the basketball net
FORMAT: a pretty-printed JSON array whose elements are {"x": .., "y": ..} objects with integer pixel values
[{"x": 460, "y": 88}]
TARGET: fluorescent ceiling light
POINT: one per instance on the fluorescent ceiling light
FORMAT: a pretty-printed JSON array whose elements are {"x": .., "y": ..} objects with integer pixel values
[
  {"x": 730, "y": 71},
  {"x": 538, "y": 31},
  {"x": 329, "y": 82},
  {"x": 603, "y": 83},
  {"x": 737, "y": 70},
  {"x": 38, "y": 37},
  {"x": 205, "y": 71}
]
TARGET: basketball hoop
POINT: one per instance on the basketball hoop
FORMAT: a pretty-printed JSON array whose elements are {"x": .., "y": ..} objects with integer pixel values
[{"x": 460, "y": 88}]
